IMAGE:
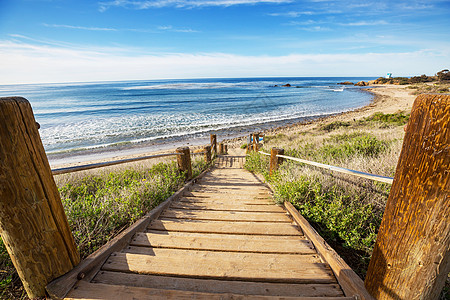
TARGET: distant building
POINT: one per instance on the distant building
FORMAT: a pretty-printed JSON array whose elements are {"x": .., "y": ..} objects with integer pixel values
[{"x": 389, "y": 75}]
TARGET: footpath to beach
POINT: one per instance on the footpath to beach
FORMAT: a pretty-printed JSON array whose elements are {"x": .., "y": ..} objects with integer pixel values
[{"x": 224, "y": 238}]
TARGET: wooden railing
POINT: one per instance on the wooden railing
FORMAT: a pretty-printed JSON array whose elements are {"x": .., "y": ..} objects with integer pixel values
[
  {"x": 58, "y": 171},
  {"x": 380, "y": 178}
]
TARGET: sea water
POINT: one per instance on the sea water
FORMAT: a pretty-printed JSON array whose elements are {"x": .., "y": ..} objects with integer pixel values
[{"x": 101, "y": 115}]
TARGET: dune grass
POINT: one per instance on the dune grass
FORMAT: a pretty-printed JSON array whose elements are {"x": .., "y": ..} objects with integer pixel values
[
  {"x": 346, "y": 210},
  {"x": 101, "y": 203}
]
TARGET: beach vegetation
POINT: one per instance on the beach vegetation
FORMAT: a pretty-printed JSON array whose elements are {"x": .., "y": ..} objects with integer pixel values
[
  {"x": 397, "y": 119},
  {"x": 335, "y": 125},
  {"x": 443, "y": 75},
  {"x": 101, "y": 203},
  {"x": 344, "y": 209}
]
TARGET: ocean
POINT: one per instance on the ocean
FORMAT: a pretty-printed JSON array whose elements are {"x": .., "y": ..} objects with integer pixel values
[{"x": 156, "y": 114}]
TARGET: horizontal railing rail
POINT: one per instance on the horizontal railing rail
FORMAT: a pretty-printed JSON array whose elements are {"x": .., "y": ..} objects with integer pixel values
[
  {"x": 108, "y": 163},
  {"x": 380, "y": 178}
]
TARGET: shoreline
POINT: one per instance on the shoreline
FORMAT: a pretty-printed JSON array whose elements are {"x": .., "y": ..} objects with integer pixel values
[{"x": 387, "y": 99}]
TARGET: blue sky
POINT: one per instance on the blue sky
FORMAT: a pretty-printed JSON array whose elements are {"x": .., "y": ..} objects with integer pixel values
[{"x": 65, "y": 40}]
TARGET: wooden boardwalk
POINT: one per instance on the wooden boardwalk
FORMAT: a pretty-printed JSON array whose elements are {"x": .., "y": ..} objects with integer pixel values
[{"x": 223, "y": 239}]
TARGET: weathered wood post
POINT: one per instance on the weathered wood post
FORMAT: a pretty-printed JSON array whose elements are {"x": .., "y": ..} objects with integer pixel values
[
  {"x": 275, "y": 161},
  {"x": 255, "y": 141},
  {"x": 411, "y": 257},
  {"x": 213, "y": 144},
  {"x": 184, "y": 161},
  {"x": 33, "y": 224},
  {"x": 207, "y": 151},
  {"x": 225, "y": 149},
  {"x": 221, "y": 149}
]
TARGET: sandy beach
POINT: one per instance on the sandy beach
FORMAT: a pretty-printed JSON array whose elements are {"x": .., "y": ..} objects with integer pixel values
[{"x": 387, "y": 99}]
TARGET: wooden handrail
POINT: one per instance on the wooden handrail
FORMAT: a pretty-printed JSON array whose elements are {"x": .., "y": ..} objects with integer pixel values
[
  {"x": 338, "y": 169},
  {"x": 108, "y": 163}
]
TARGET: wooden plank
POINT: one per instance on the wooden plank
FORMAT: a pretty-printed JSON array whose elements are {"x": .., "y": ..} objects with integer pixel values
[
  {"x": 297, "y": 237},
  {"x": 95, "y": 291},
  {"x": 234, "y": 216},
  {"x": 226, "y": 207},
  {"x": 87, "y": 268},
  {"x": 214, "y": 195},
  {"x": 219, "y": 286},
  {"x": 347, "y": 278},
  {"x": 228, "y": 184},
  {"x": 239, "y": 193},
  {"x": 229, "y": 200},
  {"x": 230, "y": 189},
  {"x": 240, "y": 243},
  {"x": 261, "y": 228},
  {"x": 226, "y": 265}
]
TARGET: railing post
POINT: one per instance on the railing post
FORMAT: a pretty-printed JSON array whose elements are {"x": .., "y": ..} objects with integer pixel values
[
  {"x": 221, "y": 149},
  {"x": 275, "y": 161},
  {"x": 213, "y": 145},
  {"x": 184, "y": 161},
  {"x": 207, "y": 150},
  {"x": 411, "y": 256},
  {"x": 33, "y": 224},
  {"x": 255, "y": 141},
  {"x": 225, "y": 149}
]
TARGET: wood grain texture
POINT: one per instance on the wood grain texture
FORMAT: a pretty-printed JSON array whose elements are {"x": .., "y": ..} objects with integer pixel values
[
  {"x": 33, "y": 224},
  {"x": 220, "y": 286},
  {"x": 207, "y": 154},
  {"x": 232, "y": 216},
  {"x": 213, "y": 139},
  {"x": 275, "y": 161},
  {"x": 221, "y": 206},
  {"x": 222, "y": 242},
  {"x": 222, "y": 265},
  {"x": 91, "y": 291},
  {"x": 184, "y": 161},
  {"x": 411, "y": 258},
  {"x": 350, "y": 283},
  {"x": 261, "y": 228}
]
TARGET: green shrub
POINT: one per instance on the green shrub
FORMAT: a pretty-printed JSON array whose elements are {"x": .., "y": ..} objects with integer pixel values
[
  {"x": 341, "y": 146},
  {"x": 244, "y": 146},
  {"x": 98, "y": 207},
  {"x": 335, "y": 125},
  {"x": 338, "y": 215},
  {"x": 398, "y": 119},
  {"x": 257, "y": 163}
]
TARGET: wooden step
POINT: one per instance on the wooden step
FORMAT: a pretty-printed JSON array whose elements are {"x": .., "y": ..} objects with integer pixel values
[
  {"x": 236, "y": 243},
  {"x": 242, "y": 195},
  {"x": 226, "y": 206},
  {"x": 250, "y": 228},
  {"x": 94, "y": 291},
  {"x": 219, "y": 286},
  {"x": 228, "y": 200},
  {"x": 234, "y": 216},
  {"x": 287, "y": 268}
]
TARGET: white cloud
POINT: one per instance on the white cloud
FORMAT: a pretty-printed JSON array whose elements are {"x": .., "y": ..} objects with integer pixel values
[
  {"x": 32, "y": 63},
  {"x": 145, "y": 4},
  {"x": 79, "y": 27},
  {"x": 365, "y": 23},
  {"x": 172, "y": 29},
  {"x": 292, "y": 14}
]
